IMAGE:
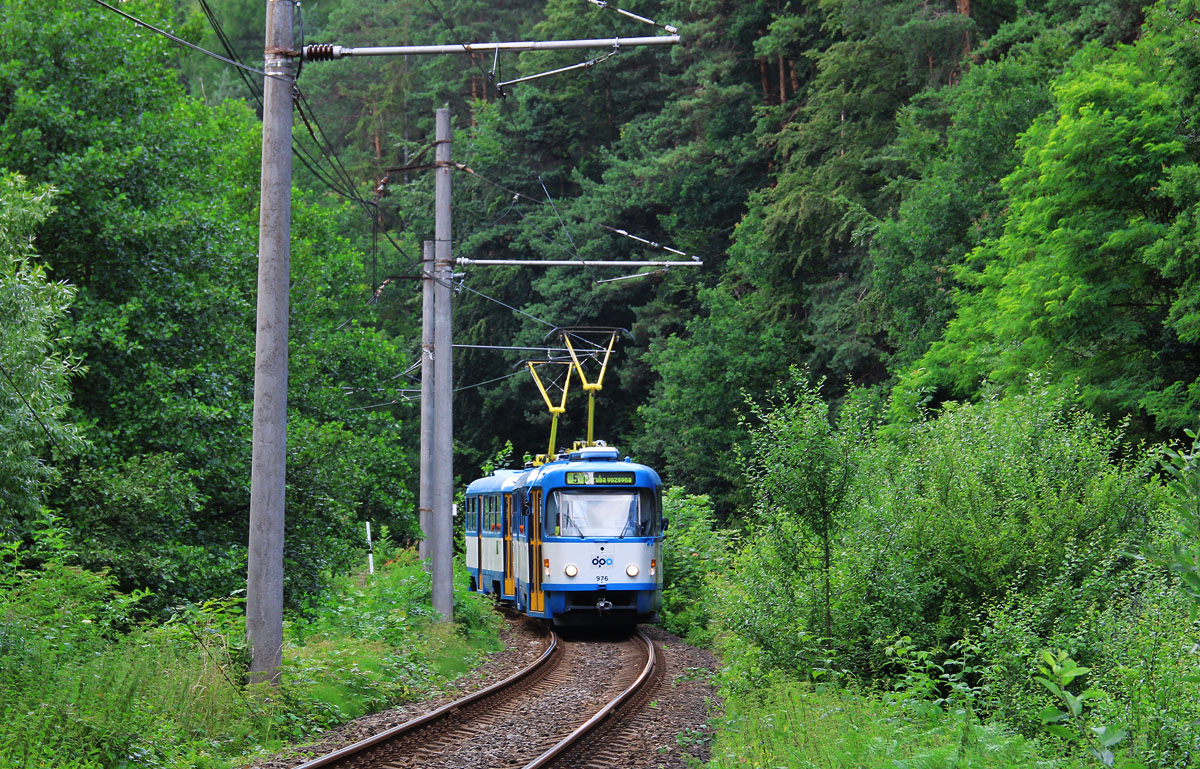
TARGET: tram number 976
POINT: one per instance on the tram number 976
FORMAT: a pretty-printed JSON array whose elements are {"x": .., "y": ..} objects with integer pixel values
[{"x": 601, "y": 578}]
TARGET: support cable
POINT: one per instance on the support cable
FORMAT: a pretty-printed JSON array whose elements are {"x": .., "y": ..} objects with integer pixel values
[
  {"x": 185, "y": 43},
  {"x": 570, "y": 67},
  {"x": 215, "y": 23},
  {"x": 630, "y": 15},
  {"x": 32, "y": 411},
  {"x": 370, "y": 208},
  {"x": 515, "y": 193}
]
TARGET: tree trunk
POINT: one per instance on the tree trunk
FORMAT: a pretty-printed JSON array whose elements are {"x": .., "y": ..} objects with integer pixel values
[
  {"x": 782, "y": 81},
  {"x": 828, "y": 591},
  {"x": 964, "y": 9}
]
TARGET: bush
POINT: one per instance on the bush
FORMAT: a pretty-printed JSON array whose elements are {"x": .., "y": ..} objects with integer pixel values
[
  {"x": 781, "y": 593},
  {"x": 988, "y": 500},
  {"x": 694, "y": 550},
  {"x": 82, "y": 687}
]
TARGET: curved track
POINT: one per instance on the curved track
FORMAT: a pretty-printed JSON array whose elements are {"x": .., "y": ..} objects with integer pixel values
[{"x": 541, "y": 716}]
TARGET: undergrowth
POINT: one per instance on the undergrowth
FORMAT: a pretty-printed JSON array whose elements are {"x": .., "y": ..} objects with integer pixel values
[
  {"x": 796, "y": 725},
  {"x": 83, "y": 686}
]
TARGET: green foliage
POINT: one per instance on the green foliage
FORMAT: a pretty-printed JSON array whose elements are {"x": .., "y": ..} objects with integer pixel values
[
  {"x": 80, "y": 686},
  {"x": 952, "y": 149},
  {"x": 994, "y": 530},
  {"x": 802, "y": 469},
  {"x": 1183, "y": 480},
  {"x": 786, "y": 573},
  {"x": 1083, "y": 281},
  {"x": 35, "y": 367},
  {"x": 927, "y": 682},
  {"x": 1005, "y": 496},
  {"x": 794, "y": 725},
  {"x": 1057, "y": 671},
  {"x": 694, "y": 551},
  {"x": 155, "y": 223},
  {"x": 694, "y": 427}
]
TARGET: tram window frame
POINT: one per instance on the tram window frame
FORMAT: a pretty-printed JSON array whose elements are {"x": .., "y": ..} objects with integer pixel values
[{"x": 650, "y": 520}]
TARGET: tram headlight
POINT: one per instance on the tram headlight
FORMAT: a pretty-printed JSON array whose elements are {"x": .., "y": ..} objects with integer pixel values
[
  {"x": 632, "y": 570},
  {"x": 571, "y": 570}
]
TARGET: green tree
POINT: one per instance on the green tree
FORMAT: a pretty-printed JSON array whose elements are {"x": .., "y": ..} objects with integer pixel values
[
  {"x": 155, "y": 224},
  {"x": 802, "y": 470},
  {"x": 1085, "y": 280},
  {"x": 35, "y": 364}
]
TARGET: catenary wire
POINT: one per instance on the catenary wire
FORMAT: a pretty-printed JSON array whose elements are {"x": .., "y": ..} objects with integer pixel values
[
  {"x": 308, "y": 119},
  {"x": 215, "y": 23},
  {"x": 305, "y": 111},
  {"x": 32, "y": 411},
  {"x": 183, "y": 42}
]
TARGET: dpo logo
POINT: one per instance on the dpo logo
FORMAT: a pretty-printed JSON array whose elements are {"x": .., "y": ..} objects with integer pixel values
[{"x": 599, "y": 561}]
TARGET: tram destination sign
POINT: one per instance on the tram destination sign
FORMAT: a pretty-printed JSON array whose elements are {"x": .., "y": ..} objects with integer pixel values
[{"x": 595, "y": 478}]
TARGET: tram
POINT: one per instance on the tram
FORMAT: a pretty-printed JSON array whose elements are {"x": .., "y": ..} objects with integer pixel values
[{"x": 576, "y": 541}]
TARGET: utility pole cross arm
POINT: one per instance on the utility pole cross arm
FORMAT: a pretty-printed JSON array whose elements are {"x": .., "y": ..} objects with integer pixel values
[
  {"x": 328, "y": 51},
  {"x": 577, "y": 263}
]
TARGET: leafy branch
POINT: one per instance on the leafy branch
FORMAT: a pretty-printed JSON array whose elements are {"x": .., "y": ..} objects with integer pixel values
[
  {"x": 1058, "y": 671},
  {"x": 1183, "y": 558}
]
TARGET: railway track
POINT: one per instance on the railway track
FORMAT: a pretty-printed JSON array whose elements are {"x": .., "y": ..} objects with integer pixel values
[{"x": 548, "y": 714}]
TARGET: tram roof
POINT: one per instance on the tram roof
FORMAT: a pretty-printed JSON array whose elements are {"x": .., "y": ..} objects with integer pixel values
[
  {"x": 498, "y": 481},
  {"x": 577, "y": 470},
  {"x": 583, "y": 473}
]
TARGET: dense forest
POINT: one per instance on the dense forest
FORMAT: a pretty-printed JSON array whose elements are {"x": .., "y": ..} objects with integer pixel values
[{"x": 925, "y": 406}]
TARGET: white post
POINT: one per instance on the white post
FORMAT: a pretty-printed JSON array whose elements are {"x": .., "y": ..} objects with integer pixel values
[{"x": 370, "y": 551}]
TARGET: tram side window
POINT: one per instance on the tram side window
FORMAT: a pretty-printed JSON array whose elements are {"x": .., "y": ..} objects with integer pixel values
[{"x": 469, "y": 519}]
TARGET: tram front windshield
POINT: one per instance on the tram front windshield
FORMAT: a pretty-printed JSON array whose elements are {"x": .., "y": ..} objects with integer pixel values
[{"x": 599, "y": 514}]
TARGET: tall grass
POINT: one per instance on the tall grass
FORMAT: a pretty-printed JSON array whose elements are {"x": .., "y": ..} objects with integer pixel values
[
  {"x": 794, "y": 725},
  {"x": 81, "y": 687}
]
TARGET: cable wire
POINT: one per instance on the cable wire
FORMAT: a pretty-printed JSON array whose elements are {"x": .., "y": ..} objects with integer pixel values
[
  {"x": 183, "y": 42},
  {"x": 32, "y": 411},
  {"x": 465, "y": 287},
  {"x": 219, "y": 31},
  {"x": 451, "y": 26}
]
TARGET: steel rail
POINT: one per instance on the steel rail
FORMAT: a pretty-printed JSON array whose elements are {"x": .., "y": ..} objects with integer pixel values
[
  {"x": 434, "y": 715},
  {"x": 553, "y": 753}
]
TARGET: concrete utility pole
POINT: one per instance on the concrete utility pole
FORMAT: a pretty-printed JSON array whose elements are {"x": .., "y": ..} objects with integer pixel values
[
  {"x": 264, "y": 583},
  {"x": 442, "y": 525},
  {"x": 425, "y": 500}
]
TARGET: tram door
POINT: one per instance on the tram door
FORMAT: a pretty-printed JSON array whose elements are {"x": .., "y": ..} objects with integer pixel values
[
  {"x": 477, "y": 517},
  {"x": 510, "y": 520},
  {"x": 537, "y": 599}
]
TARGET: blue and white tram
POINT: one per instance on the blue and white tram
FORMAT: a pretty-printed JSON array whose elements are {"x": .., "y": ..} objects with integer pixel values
[{"x": 577, "y": 541}]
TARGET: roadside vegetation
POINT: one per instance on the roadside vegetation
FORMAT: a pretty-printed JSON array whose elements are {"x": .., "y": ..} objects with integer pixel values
[
  {"x": 1007, "y": 583},
  {"x": 87, "y": 682},
  {"x": 925, "y": 410}
]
